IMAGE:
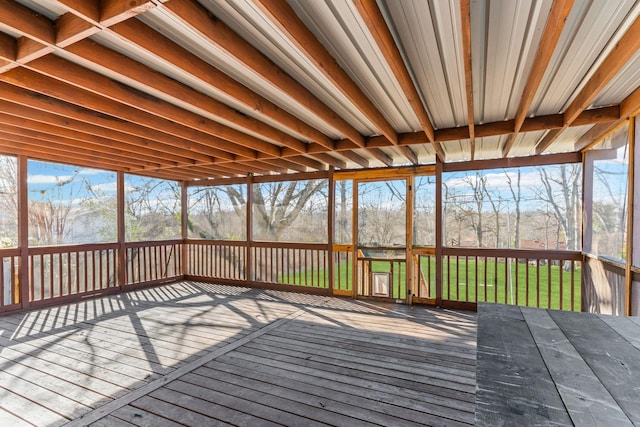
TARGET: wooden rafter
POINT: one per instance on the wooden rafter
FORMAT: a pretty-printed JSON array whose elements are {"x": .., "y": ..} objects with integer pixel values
[
  {"x": 194, "y": 16},
  {"x": 284, "y": 17},
  {"x": 629, "y": 107},
  {"x": 377, "y": 26},
  {"x": 136, "y": 32},
  {"x": 465, "y": 15},
  {"x": 624, "y": 50},
  {"x": 553, "y": 28}
]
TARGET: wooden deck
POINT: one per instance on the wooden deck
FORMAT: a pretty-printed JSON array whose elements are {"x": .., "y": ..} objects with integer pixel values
[
  {"x": 200, "y": 354},
  {"x": 548, "y": 367}
]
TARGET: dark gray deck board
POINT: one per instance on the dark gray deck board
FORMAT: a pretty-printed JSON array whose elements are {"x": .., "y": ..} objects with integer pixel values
[
  {"x": 586, "y": 399},
  {"x": 514, "y": 385},
  {"x": 614, "y": 360}
]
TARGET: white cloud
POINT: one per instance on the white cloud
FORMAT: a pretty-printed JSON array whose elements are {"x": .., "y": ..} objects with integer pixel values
[{"x": 47, "y": 179}]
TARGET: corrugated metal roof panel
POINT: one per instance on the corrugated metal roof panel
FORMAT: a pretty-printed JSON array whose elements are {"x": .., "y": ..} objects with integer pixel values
[
  {"x": 489, "y": 147},
  {"x": 430, "y": 34},
  {"x": 457, "y": 151},
  {"x": 338, "y": 26},
  {"x": 164, "y": 23},
  {"x": 567, "y": 139},
  {"x": 504, "y": 39},
  {"x": 525, "y": 143},
  {"x": 114, "y": 42},
  {"x": 622, "y": 84},
  {"x": 592, "y": 29}
]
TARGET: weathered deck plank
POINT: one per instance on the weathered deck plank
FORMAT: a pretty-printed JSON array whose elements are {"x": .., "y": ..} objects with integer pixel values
[
  {"x": 200, "y": 354},
  {"x": 587, "y": 400},
  {"x": 514, "y": 385},
  {"x": 614, "y": 361}
]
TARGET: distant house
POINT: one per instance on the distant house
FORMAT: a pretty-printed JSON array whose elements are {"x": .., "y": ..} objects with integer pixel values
[{"x": 542, "y": 245}]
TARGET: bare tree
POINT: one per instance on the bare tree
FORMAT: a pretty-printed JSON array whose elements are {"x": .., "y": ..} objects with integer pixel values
[
  {"x": 516, "y": 193},
  {"x": 561, "y": 191}
]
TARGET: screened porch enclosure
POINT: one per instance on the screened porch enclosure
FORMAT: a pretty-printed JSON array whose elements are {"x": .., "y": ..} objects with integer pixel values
[{"x": 368, "y": 234}]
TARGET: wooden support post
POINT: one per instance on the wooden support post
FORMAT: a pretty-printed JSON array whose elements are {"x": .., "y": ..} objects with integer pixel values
[
  {"x": 628, "y": 274},
  {"x": 122, "y": 248},
  {"x": 354, "y": 239},
  {"x": 331, "y": 227},
  {"x": 184, "y": 217},
  {"x": 439, "y": 231},
  {"x": 23, "y": 297},
  {"x": 249, "y": 230},
  {"x": 409, "y": 269}
]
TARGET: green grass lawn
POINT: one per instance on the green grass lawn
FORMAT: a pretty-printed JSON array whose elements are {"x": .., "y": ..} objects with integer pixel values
[{"x": 463, "y": 280}]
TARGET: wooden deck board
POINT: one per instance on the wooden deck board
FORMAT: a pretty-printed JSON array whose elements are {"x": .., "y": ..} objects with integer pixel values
[
  {"x": 616, "y": 363},
  {"x": 550, "y": 367},
  {"x": 201, "y": 354},
  {"x": 587, "y": 401},
  {"x": 514, "y": 385}
]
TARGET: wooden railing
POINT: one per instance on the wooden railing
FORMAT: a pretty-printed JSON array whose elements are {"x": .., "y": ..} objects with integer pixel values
[
  {"x": 382, "y": 275},
  {"x": 424, "y": 274},
  {"x": 217, "y": 259},
  {"x": 148, "y": 262},
  {"x": 545, "y": 279},
  {"x": 10, "y": 293},
  {"x": 57, "y": 272},
  {"x": 291, "y": 264},
  {"x": 343, "y": 270}
]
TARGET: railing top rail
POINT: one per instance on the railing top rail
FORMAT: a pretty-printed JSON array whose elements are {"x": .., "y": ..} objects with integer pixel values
[
  {"x": 290, "y": 245},
  {"x": 153, "y": 243},
  {"x": 515, "y": 253},
  {"x": 382, "y": 248},
  {"x": 216, "y": 242},
  {"x": 381, "y": 259},
  {"x": 88, "y": 247},
  {"x": 9, "y": 252}
]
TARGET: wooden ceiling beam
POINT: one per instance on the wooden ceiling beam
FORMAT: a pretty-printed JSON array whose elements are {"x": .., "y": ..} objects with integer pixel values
[
  {"x": 622, "y": 52},
  {"x": 465, "y": 23},
  {"x": 356, "y": 158},
  {"x": 409, "y": 154},
  {"x": 36, "y": 118},
  {"x": 136, "y": 32},
  {"x": 50, "y": 151},
  {"x": 153, "y": 111},
  {"x": 160, "y": 85},
  {"x": 47, "y": 140},
  {"x": 27, "y": 22},
  {"x": 378, "y": 28},
  {"x": 41, "y": 36},
  {"x": 286, "y": 164},
  {"x": 30, "y": 80},
  {"x": 558, "y": 14},
  {"x": 330, "y": 160},
  {"x": 284, "y": 17},
  {"x": 380, "y": 155},
  {"x": 194, "y": 16},
  {"x": 145, "y": 136},
  {"x": 629, "y": 107},
  {"x": 309, "y": 162},
  {"x": 109, "y": 145}
]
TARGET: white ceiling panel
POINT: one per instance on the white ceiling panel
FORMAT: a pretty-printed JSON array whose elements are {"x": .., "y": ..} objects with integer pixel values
[
  {"x": 339, "y": 28},
  {"x": 567, "y": 139},
  {"x": 489, "y": 147},
  {"x": 622, "y": 85},
  {"x": 504, "y": 39},
  {"x": 592, "y": 29},
  {"x": 431, "y": 37},
  {"x": 457, "y": 151},
  {"x": 525, "y": 143}
]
